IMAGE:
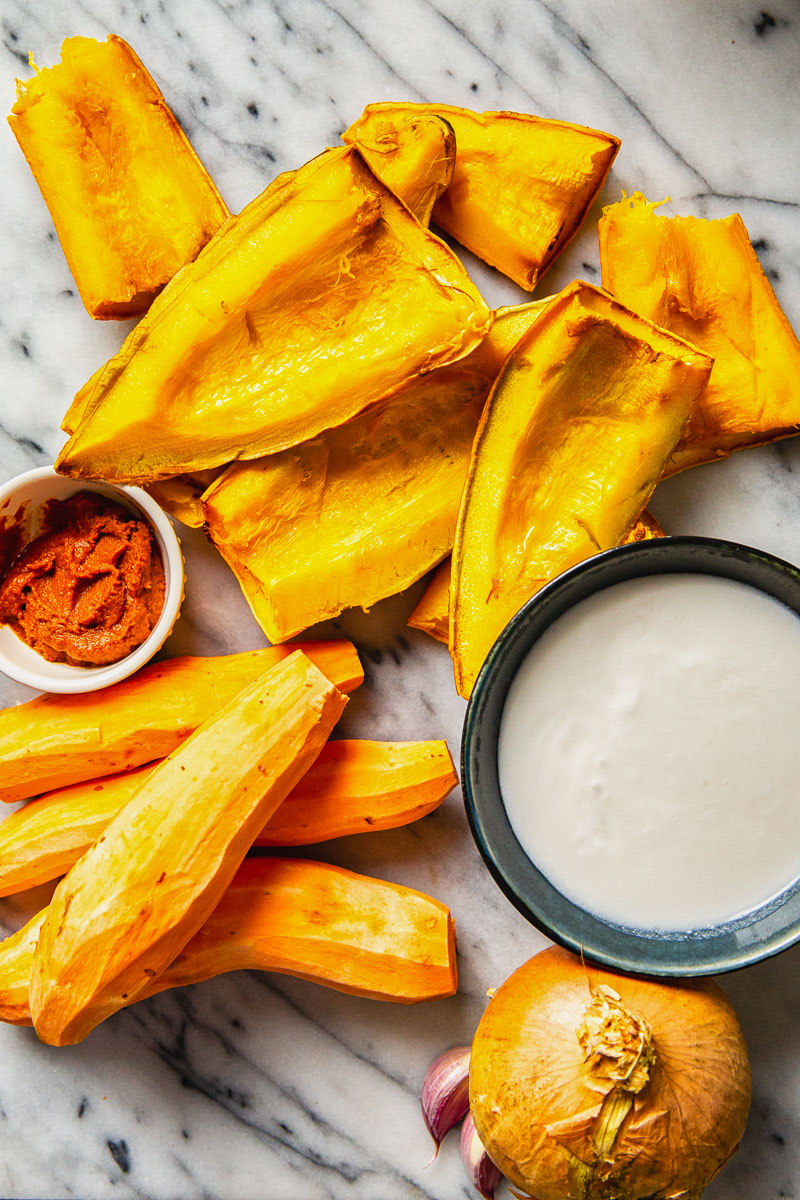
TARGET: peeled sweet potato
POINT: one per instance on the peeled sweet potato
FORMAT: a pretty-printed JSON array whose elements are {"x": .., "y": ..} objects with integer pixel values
[
  {"x": 294, "y": 917},
  {"x": 130, "y": 199},
  {"x": 323, "y": 296},
  {"x": 521, "y": 184},
  {"x": 357, "y": 787},
  {"x": 432, "y": 614},
  {"x": 56, "y": 740},
  {"x": 573, "y": 440},
  {"x": 361, "y": 511},
  {"x": 353, "y": 787},
  {"x": 702, "y": 280},
  {"x": 130, "y": 904}
]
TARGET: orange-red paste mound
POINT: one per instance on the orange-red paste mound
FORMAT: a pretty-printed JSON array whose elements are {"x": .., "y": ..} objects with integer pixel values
[{"x": 90, "y": 588}]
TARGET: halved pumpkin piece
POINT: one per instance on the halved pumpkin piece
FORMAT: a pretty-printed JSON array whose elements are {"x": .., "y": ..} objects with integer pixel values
[
  {"x": 322, "y": 297},
  {"x": 521, "y": 184},
  {"x": 362, "y": 511},
  {"x": 702, "y": 280},
  {"x": 572, "y": 442},
  {"x": 432, "y": 614},
  {"x": 130, "y": 199}
]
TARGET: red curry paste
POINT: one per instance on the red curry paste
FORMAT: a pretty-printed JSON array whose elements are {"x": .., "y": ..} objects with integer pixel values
[{"x": 90, "y": 588}]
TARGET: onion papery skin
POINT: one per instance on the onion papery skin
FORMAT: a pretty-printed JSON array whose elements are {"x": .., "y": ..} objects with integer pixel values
[{"x": 534, "y": 1099}]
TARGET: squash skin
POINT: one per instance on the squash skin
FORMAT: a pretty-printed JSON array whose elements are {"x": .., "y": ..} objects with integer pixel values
[
  {"x": 130, "y": 199},
  {"x": 362, "y": 511},
  {"x": 432, "y": 614},
  {"x": 130, "y": 904},
  {"x": 572, "y": 442},
  {"x": 294, "y": 917},
  {"x": 701, "y": 279},
  {"x": 322, "y": 297},
  {"x": 521, "y": 186},
  {"x": 353, "y": 787},
  {"x": 54, "y": 740}
]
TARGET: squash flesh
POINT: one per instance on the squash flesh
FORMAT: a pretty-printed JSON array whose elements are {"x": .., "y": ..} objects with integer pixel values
[
  {"x": 322, "y": 297},
  {"x": 573, "y": 440},
  {"x": 362, "y": 511},
  {"x": 55, "y": 740},
  {"x": 130, "y": 904},
  {"x": 432, "y": 613},
  {"x": 353, "y": 787},
  {"x": 702, "y": 280},
  {"x": 294, "y": 917},
  {"x": 130, "y": 199},
  {"x": 521, "y": 184}
]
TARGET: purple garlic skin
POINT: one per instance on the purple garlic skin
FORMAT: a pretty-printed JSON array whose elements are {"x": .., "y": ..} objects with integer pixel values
[
  {"x": 445, "y": 1092},
  {"x": 485, "y": 1176}
]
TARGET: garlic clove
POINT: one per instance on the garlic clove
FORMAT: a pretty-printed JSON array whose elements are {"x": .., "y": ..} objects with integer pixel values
[
  {"x": 445, "y": 1092},
  {"x": 485, "y": 1176}
]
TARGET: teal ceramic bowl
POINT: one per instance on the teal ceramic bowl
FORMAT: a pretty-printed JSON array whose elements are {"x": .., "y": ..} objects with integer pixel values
[{"x": 756, "y": 935}]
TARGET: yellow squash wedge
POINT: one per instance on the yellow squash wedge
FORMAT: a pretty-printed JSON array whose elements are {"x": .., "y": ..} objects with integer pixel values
[
  {"x": 572, "y": 442},
  {"x": 414, "y": 158},
  {"x": 322, "y": 297},
  {"x": 432, "y": 613},
  {"x": 130, "y": 199},
  {"x": 702, "y": 280},
  {"x": 294, "y": 917},
  {"x": 56, "y": 740},
  {"x": 130, "y": 904},
  {"x": 353, "y": 787},
  {"x": 361, "y": 511},
  {"x": 521, "y": 184}
]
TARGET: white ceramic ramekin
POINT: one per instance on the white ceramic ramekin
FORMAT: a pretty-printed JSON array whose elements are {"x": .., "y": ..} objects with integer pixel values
[{"x": 19, "y": 661}]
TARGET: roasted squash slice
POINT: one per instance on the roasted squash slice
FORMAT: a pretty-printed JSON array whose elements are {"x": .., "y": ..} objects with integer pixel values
[
  {"x": 432, "y": 614},
  {"x": 353, "y": 787},
  {"x": 55, "y": 740},
  {"x": 130, "y": 199},
  {"x": 361, "y": 511},
  {"x": 294, "y": 917},
  {"x": 322, "y": 297},
  {"x": 572, "y": 442},
  {"x": 130, "y": 904},
  {"x": 416, "y": 163},
  {"x": 415, "y": 158},
  {"x": 521, "y": 184},
  {"x": 702, "y": 280}
]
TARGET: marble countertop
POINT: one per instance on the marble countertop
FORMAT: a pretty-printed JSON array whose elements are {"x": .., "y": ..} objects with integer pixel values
[{"x": 262, "y": 1086}]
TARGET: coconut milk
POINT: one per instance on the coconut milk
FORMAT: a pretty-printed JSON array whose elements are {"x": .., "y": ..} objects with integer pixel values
[{"x": 650, "y": 751}]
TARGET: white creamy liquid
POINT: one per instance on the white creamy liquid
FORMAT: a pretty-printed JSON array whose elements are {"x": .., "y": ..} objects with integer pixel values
[{"x": 650, "y": 751}]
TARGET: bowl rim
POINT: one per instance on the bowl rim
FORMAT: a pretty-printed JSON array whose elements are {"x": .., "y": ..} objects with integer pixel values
[
  {"x": 624, "y": 949},
  {"x": 88, "y": 679}
]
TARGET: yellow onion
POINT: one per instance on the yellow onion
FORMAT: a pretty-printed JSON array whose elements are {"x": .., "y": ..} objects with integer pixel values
[{"x": 590, "y": 1085}]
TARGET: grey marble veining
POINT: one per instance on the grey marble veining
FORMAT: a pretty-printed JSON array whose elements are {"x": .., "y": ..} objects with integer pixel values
[{"x": 261, "y": 1086}]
